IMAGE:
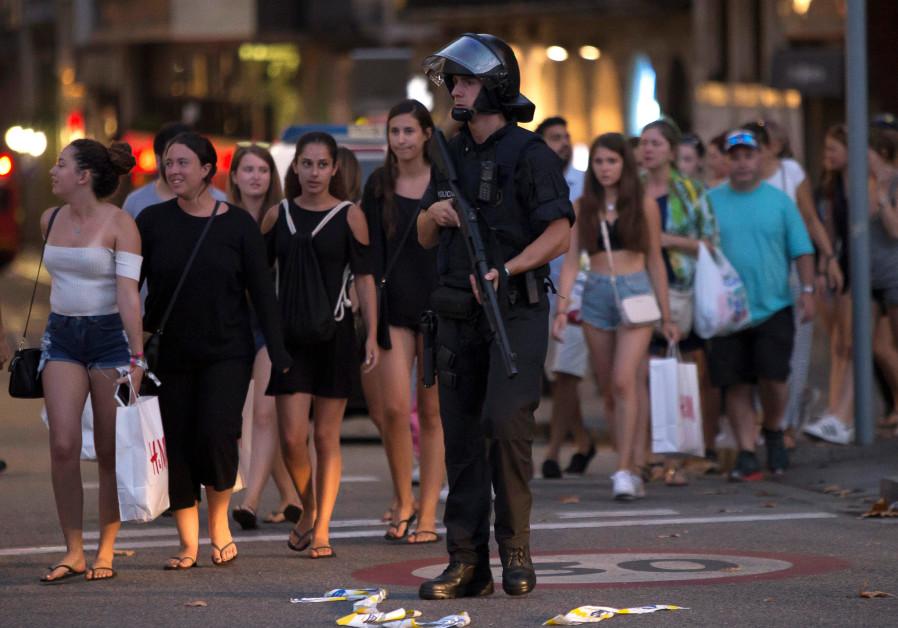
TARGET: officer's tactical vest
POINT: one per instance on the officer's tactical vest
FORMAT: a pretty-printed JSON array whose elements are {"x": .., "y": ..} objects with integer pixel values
[{"x": 504, "y": 221}]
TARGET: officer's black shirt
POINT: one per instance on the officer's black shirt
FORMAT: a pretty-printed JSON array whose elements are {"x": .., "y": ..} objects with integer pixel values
[{"x": 531, "y": 197}]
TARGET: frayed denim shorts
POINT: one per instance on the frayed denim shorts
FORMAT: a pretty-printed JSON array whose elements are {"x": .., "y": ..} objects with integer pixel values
[
  {"x": 95, "y": 342},
  {"x": 599, "y": 307}
]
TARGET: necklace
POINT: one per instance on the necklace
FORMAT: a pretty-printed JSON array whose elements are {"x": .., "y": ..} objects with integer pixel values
[{"x": 610, "y": 208}]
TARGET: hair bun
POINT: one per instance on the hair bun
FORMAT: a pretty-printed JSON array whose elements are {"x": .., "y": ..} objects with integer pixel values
[{"x": 122, "y": 157}]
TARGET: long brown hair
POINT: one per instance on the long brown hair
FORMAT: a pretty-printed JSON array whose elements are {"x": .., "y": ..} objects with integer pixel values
[
  {"x": 292, "y": 188},
  {"x": 632, "y": 227},
  {"x": 833, "y": 178},
  {"x": 350, "y": 171},
  {"x": 273, "y": 194},
  {"x": 385, "y": 184}
]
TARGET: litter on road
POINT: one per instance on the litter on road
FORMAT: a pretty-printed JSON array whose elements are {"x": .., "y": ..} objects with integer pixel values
[{"x": 595, "y": 614}]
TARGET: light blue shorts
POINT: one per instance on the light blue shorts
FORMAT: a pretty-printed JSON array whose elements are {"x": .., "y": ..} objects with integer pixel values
[{"x": 599, "y": 307}]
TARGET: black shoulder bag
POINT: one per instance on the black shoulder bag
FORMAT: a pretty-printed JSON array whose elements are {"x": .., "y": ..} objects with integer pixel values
[
  {"x": 24, "y": 378},
  {"x": 151, "y": 344},
  {"x": 383, "y": 310}
]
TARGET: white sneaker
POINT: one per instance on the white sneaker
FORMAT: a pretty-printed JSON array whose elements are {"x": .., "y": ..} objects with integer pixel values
[
  {"x": 638, "y": 486},
  {"x": 830, "y": 429},
  {"x": 726, "y": 438},
  {"x": 624, "y": 488}
]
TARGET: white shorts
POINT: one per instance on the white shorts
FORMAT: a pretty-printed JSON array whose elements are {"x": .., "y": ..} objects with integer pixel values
[{"x": 570, "y": 356}]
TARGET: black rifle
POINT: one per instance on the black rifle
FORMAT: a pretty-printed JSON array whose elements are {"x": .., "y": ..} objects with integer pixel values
[{"x": 467, "y": 214}]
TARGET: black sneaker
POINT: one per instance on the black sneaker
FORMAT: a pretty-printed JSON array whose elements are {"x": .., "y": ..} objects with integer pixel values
[
  {"x": 777, "y": 456},
  {"x": 551, "y": 470},
  {"x": 747, "y": 468},
  {"x": 579, "y": 461}
]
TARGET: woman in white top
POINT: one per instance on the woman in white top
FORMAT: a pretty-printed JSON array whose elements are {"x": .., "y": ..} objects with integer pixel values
[{"x": 93, "y": 337}]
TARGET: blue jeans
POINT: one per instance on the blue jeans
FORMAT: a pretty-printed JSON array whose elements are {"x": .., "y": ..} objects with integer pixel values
[{"x": 600, "y": 308}]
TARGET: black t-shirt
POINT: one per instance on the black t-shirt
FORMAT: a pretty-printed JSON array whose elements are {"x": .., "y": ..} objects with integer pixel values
[
  {"x": 529, "y": 198},
  {"x": 210, "y": 320},
  {"x": 414, "y": 273}
]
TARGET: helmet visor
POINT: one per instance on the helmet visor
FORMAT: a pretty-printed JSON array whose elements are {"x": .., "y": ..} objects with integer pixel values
[{"x": 465, "y": 52}]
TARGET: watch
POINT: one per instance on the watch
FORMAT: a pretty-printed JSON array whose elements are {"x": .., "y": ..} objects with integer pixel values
[{"x": 808, "y": 288}]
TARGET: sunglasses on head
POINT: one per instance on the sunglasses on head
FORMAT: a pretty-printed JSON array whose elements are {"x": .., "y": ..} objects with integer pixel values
[
  {"x": 741, "y": 139},
  {"x": 248, "y": 144}
]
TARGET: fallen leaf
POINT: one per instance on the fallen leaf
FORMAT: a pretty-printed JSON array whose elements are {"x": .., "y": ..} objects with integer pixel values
[
  {"x": 832, "y": 488},
  {"x": 570, "y": 499},
  {"x": 873, "y": 594},
  {"x": 881, "y": 508},
  {"x": 125, "y": 553},
  {"x": 768, "y": 505},
  {"x": 197, "y": 603},
  {"x": 732, "y": 569},
  {"x": 669, "y": 536},
  {"x": 769, "y": 599}
]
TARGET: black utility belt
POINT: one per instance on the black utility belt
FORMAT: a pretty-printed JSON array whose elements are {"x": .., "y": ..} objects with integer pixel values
[{"x": 456, "y": 302}]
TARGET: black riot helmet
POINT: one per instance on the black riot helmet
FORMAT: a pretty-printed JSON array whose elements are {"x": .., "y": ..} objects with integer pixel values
[{"x": 492, "y": 61}]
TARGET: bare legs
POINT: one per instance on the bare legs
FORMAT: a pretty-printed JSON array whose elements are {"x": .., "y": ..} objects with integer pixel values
[
  {"x": 567, "y": 417},
  {"x": 65, "y": 388},
  {"x": 318, "y": 503},
  {"x": 617, "y": 357},
  {"x": 266, "y": 458},
  {"x": 740, "y": 409},
  {"x": 187, "y": 521},
  {"x": 395, "y": 373}
]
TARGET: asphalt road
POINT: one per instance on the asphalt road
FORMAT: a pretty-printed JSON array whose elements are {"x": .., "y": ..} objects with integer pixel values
[{"x": 788, "y": 553}]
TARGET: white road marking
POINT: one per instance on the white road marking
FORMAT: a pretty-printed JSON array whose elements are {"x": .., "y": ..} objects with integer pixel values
[
  {"x": 595, "y": 514},
  {"x": 360, "y": 478},
  {"x": 359, "y": 534}
]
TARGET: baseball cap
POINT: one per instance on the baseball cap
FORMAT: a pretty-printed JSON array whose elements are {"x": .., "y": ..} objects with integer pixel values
[{"x": 741, "y": 137}]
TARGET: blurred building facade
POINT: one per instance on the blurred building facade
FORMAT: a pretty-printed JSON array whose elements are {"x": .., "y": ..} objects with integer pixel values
[{"x": 246, "y": 69}]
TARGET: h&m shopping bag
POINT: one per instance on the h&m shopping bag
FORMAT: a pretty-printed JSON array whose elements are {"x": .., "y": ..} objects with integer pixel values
[
  {"x": 141, "y": 462},
  {"x": 676, "y": 407},
  {"x": 721, "y": 300}
]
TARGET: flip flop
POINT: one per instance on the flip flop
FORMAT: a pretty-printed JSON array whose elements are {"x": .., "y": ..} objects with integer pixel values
[
  {"x": 332, "y": 553},
  {"x": 291, "y": 513},
  {"x": 179, "y": 566},
  {"x": 304, "y": 539},
  {"x": 245, "y": 517},
  {"x": 222, "y": 561},
  {"x": 69, "y": 573},
  {"x": 395, "y": 526},
  {"x": 93, "y": 570},
  {"x": 436, "y": 538}
]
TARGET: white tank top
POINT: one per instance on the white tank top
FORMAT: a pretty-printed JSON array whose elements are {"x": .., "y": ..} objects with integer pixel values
[
  {"x": 788, "y": 177},
  {"x": 83, "y": 278}
]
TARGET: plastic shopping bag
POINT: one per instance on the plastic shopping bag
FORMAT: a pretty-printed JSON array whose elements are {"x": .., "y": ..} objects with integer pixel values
[
  {"x": 141, "y": 462},
  {"x": 676, "y": 407},
  {"x": 721, "y": 301},
  {"x": 88, "y": 452}
]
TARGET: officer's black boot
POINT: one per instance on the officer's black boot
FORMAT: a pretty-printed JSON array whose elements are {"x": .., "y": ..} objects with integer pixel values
[
  {"x": 518, "y": 575},
  {"x": 459, "y": 580}
]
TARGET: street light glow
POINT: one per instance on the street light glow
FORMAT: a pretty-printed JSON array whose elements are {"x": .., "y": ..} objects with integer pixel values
[
  {"x": 556, "y": 53},
  {"x": 590, "y": 53},
  {"x": 801, "y": 6},
  {"x": 26, "y": 141},
  {"x": 5, "y": 165}
]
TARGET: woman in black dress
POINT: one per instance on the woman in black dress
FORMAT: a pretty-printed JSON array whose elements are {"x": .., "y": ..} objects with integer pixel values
[
  {"x": 206, "y": 353},
  {"x": 391, "y": 201},
  {"x": 321, "y": 371}
]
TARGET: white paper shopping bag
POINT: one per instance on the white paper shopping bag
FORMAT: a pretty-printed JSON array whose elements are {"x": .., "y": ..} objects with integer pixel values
[
  {"x": 141, "y": 462},
  {"x": 676, "y": 407}
]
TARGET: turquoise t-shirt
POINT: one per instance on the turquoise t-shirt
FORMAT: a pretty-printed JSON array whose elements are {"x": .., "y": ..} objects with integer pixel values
[{"x": 761, "y": 232}]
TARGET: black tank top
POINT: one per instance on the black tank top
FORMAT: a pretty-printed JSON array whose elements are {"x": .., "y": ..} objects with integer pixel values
[{"x": 613, "y": 237}]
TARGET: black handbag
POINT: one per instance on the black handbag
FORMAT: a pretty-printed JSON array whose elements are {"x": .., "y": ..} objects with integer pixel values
[
  {"x": 151, "y": 343},
  {"x": 24, "y": 378},
  {"x": 383, "y": 307}
]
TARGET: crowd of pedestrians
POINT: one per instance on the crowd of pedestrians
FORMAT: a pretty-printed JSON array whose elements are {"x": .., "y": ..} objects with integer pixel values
[{"x": 237, "y": 280}]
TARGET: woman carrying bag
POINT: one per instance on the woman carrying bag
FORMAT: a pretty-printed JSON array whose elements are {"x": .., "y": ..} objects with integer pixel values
[
  {"x": 201, "y": 256},
  {"x": 93, "y": 335},
  {"x": 619, "y": 227},
  {"x": 317, "y": 237}
]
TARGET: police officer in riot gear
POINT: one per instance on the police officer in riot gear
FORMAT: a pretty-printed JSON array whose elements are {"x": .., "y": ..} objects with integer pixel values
[{"x": 516, "y": 183}]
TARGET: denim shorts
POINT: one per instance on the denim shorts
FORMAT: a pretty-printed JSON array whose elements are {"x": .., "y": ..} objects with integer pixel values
[
  {"x": 95, "y": 342},
  {"x": 599, "y": 308}
]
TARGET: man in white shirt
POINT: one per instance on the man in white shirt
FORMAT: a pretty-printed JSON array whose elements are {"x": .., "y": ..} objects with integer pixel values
[{"x": 566, "y": 360}]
